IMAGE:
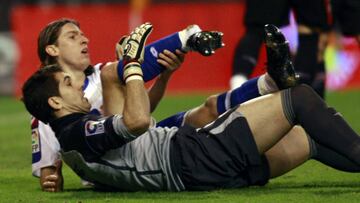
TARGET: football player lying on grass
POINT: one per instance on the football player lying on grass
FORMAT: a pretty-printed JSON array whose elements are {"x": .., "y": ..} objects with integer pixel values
[
  {"x": 63, "y": 42},
  {"x": 242, "y": 147}
]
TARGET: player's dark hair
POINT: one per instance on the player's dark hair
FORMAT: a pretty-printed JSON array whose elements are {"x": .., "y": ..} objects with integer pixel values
[
  {"x": 48, "y": 36},
  {"x": 38, "y": 89}
]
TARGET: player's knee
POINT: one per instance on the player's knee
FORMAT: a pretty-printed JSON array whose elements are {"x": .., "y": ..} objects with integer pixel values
[
  {"x": 303, "y": 90},
  {"x": 304, "y": 96},
  {"x": 299, "y": 101},
  {"x": 211, "y": 106}
]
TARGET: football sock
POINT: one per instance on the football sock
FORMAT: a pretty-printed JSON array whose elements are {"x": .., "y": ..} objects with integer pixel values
[
  {"x": 327, "y": 127},
  {"x": 176, "y": 120},
  {"x": 185, "y": 34},
  {"x": 331, "y": 158},
  {"x": 150, "y": 67},
  {"x": 306, "y": 57},
  {"x": 266, "y": 85},
  {"x": 245, "y": 92},
  {"x": 247, "y": 51}
]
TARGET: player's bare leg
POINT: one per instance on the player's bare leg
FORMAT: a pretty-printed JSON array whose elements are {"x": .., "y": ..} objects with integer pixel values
[
  {"x": 203, "y": 114},
  {"x": 290, "y": 152},
  {"x": 266, "y": 120},
  {"x": 270, "y": 117},
  {"x": 281, "y": 75}
]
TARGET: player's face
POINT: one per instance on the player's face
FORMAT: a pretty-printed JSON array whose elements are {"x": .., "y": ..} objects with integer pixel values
[
  {"x": 72, "y": 97},
  {"x": 72, "y": 47}
]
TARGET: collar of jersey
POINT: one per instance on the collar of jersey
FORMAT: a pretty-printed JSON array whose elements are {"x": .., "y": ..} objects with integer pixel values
[
  {"x": 86, "y": 83},
  {"x": 60, "y": 123}
]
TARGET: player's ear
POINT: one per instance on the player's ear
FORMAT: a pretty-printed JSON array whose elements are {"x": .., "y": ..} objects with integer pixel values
[
  {"x": 52, "y": 50},
  {"x": 55, "y": 103}
]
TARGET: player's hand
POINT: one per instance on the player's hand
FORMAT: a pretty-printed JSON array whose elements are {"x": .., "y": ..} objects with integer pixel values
[
  {"x": 54, "y": 182},
  {"x": 135, "y": 43},
  {"x": 171, "y": 61},
  {"x": 134, "y": 52},
  {"x": 119, "y": 47}
]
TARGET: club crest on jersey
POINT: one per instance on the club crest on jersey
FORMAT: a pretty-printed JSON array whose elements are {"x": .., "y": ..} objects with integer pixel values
[{"x": 94, "y": 127}]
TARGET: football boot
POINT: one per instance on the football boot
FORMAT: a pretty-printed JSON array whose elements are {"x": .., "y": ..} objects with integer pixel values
[
  {"x": 205, "y": 42},
  {"x": 279, "y": 64}
]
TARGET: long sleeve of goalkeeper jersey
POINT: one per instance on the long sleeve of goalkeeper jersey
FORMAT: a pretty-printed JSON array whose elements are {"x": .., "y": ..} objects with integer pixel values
[{"x": 92, "y": 135}]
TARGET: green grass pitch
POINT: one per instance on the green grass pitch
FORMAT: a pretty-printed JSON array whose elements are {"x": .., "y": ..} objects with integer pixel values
[{"x": 312, "y": 182}]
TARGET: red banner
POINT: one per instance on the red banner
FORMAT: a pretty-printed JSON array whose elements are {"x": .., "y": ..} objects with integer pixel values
[{"x": 105, "y": 24}]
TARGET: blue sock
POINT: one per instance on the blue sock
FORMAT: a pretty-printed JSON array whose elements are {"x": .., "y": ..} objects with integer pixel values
[
  {"x": 245, "y": 92},
  {"x": 172, "y": 121},
  {"x": 150, "y": 67}
]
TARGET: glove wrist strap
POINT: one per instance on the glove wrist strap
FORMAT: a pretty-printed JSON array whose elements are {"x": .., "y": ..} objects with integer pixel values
[{"x": 132, "y": 69}]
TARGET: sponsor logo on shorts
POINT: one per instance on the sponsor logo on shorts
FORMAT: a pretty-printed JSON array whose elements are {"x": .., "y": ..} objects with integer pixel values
[
  {"x": 94, "y": 127},
  {"x": 35, "y": 140},
  {"x": 35, "y": 145}
]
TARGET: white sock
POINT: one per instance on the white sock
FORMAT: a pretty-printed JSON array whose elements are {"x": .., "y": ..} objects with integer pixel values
[
  {"x": 266, "y": 85},
  {"x": 186, "y": 33}
]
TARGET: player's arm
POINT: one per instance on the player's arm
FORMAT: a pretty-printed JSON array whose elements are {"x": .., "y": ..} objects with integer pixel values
[
  {"x": 93, "y": 136},
  {"x": 51, "y": 178},
  {"x": 45, "y": 157},
  {"x": 128, "y": 96},
  {"x": 136, "y": 106},
  {"x": 171, "y": 61},
  {"x": 125, "y": 99},
  {"x": 113, "y": 90}
]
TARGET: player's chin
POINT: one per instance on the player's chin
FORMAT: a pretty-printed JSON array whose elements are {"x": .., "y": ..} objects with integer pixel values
[
  {"x": 85, "y": 109},
  {"x": 86, "y": 106},
  {"x": 85, "y": 62}
]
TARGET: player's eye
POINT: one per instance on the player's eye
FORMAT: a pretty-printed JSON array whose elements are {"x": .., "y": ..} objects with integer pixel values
[{"x": 72, "y": 36}]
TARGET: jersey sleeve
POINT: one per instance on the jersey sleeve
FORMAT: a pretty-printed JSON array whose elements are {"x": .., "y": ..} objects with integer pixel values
[
  {"x": 45, "y": 147},
  {"x": 93, "y": 137}
]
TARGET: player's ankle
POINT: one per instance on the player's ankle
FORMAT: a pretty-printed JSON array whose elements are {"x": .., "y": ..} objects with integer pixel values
[
  {"x": 186, "y": 33},
  {"x": 266, "y": 84}
]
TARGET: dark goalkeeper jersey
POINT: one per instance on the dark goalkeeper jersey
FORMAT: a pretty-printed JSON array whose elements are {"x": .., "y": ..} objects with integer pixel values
[{"x": 102, "y": 151}]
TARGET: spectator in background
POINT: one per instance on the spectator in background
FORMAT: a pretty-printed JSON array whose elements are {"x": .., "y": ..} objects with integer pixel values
[
  {"x": 8, "y": 50},
  {"x": 312, "y": 19},
  {"x": 346, "y": 15}
]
